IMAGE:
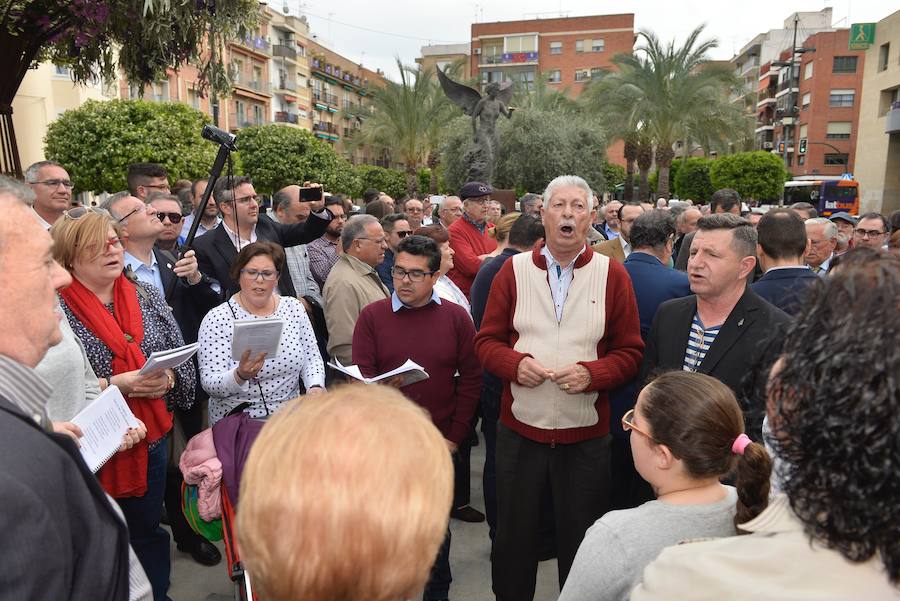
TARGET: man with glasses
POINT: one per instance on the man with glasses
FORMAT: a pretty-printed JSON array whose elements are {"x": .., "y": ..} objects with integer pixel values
[
  {"x": 389, "y": 332},
  {"x": 822, "y": 236},
  {"x": 52, "y": 191},
  {"x": 242, "y": 224},
  {"x": 450, "y": 209},
  {"x": 415, "y": 213},
  {"x": 146, "y": 178},
  {"x": 396, "y": 227},
  {"x": 353, "y": 282},
  {"x": 871, "y": 230},
  {"x": 468, "y": 236},
  {"x": 620, "y": 247},
  {"x": 168, "y": 211}
]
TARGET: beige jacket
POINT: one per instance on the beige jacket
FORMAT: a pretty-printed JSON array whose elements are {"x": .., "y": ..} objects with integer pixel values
[
  {"x": 611, "y": 248},
  {"x": 351, "y": 285},
  {"x": 776, "y": 562}
]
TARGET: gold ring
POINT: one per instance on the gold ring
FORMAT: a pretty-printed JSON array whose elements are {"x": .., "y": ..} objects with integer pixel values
[{"x": 566, "y": 387}]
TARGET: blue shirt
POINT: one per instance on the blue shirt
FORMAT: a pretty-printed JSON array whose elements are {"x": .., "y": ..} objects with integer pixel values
[
  {"x": 384, "y": 268},
  {"x": 397, "y": 304},
  {"x": 699, "y": 341},
  {"x": 148, "y": 274},
  {"x": 609, "y": 233},
  {"x": 560, "y": 279}
]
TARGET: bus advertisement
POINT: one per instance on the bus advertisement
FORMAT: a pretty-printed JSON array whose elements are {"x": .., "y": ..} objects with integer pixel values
[{"x": 829, "y": 196}]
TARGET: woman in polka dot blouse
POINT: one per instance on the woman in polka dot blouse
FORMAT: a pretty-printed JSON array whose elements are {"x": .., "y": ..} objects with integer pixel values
[{"x": 266, "y": 384}]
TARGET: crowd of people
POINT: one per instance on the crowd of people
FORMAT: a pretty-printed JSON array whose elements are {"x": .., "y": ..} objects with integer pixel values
[{"x": 643, "y": 376}]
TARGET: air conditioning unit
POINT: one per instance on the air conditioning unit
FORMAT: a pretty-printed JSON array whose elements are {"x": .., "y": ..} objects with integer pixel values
[
  {"x": 478, "y": 51},
  {"x": 309, "y": 83},
  {"x": 768, "y": 145}
]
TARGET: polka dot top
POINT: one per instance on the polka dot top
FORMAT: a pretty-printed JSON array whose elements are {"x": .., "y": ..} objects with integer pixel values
[{"x": 279, "y": 379}]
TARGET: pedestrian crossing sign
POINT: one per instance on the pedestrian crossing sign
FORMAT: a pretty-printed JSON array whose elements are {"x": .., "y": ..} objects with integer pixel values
[{"x": 862, "y": 35}]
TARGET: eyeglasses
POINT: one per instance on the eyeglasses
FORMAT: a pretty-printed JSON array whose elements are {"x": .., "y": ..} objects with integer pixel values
[
  {"x": 157, "y": 186},
  {"x": 55, "y": 183},
  {"x": 416, "y": 275},
  {"x": 867, "y": 233},
  {"x": 246, "y": 199},
  {"x": 142, "y": 208},
  {"x": 254, "y": 274},
  {"x": 173, "y": 217},
  {"x": 628, "y": 424},
  {"x": 381, "y": 241},
  {"x": 403, "y": 233},
  {"x": 114, "y": 244}
]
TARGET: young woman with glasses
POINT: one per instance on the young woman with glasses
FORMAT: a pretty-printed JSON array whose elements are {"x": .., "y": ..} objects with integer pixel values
[
  {"x": 687, "y": 434},
  {"x": 263, "y": 384}
]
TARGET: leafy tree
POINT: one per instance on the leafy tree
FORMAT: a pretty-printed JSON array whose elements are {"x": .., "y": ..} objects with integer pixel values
[
  {"x": 613, "y": 174},
  {"x": 759, "y": 175},
  {"x": 96, "y": 38},
  {"x": 693, "y": 180},
  {"x": 665, "y": 93},
  {"x": 97, "y": 141},
  {"x": 389, "y": 181},
  {"x": 275, "y": 156},
  {"x": 535, "y": 147}
]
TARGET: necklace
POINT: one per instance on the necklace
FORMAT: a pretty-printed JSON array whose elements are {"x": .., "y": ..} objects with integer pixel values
[{"x": 247, "y": 307}]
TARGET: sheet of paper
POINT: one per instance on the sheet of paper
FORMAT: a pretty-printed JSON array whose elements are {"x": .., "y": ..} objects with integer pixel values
[
  {"x": 258, "y": 335},
  {"x": 169, "y": 359},
  {"x": 104, "y": 423},
  {"x": 411, "y": 372}
]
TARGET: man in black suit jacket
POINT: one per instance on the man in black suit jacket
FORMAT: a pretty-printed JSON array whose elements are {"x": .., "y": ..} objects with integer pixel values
[
  {"x": 242, "y": 224},
  {"x": 61, "y": 537},
  {"x": 781, "y": 248},
  {"x": 724, "y": 329}
]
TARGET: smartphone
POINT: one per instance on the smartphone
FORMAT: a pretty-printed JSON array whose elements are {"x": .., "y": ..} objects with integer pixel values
[{"x": 311, "y": 194}]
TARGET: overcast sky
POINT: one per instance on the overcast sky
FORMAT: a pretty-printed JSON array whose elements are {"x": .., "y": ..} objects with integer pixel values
[{"x": 376, "y": 32}]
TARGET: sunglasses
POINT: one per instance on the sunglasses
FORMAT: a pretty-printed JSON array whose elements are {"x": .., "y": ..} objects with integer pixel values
[
  {"x": 172, "y": 217},
  {"x": 79, "y": 212},
  {"x": 403, "y": 234}
]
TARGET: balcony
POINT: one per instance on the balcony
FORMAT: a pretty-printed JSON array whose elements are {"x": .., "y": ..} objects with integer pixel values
[
  {"x": 892, "y": 122},
  {"x": 749, "y": 67},
  {"x": 284, "y": 51},
  {"x": 334, "y": 74},
  {"x": 258, "y": 87},
  {"x": 788, "y": 83},
  {"x": 328, "y": 128},
  {"x": 286, "y": 117},
  {"x": 766, "y": 96},
  {"x": 257, "y": 43},
  {"x": 509, "y": 58},
  {"x": 329, "y": 99},
  {"x": 286, "y": 84}
]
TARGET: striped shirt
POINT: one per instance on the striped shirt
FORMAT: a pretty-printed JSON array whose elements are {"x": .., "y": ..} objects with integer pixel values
[
  {"x": 25, "y": 389},
  {"x": 699, "y": 341}
]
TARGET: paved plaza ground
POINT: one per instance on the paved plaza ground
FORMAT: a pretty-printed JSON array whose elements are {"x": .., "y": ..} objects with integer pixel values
[{"x": 469, "y": 562}]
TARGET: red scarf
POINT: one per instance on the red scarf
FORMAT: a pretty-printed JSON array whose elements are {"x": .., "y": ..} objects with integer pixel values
[{"x": 125, "y": 474}]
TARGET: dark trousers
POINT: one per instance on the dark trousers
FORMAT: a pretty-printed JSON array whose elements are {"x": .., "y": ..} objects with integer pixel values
[
  {"x": 462, "y": 474},
  {"x": 490, "y": 413},
  {"x": 438, "y": 585},
  {"x": 190, "y": 422},
  {"x": 577, "y": 476},
  {"x": 149, "y": 541}
]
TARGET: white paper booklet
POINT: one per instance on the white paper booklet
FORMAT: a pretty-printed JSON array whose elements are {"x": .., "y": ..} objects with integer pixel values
[
  {"x": 258, "y": 335},
  {"x": 104, "y": 423},
  {"x": 411, "y": 371},
  {"x": 169, "y": 359}
]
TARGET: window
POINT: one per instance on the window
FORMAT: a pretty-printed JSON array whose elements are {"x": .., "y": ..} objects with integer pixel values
[
  {"x": 884, "y": 52},
  {"x": 301, "y": 50},
  {"x": 837, "y": 159},
  {"x": 597, "y": 45},
  {"x": 161, "y": 91},
  {"x": 61, "y": 70},
  {"x": 579, "y": 45},
  {"x": 258, "y": 114},
  {"x": 808, "y": 70},
  {"x": 597, "y": 72},
  {"x": 582, "y": 75},
  {"x": 257, "y": 75},
  {"x": 803, "y": 130},
  {"x": 806, "y": 99},
  {"x": 838, "y": 130},
  {"x": 555, "y": 47},
  {"x": 193, "y": 98},
  {"x": 554, "y": 76},
  {"x": 491, "y": 76},
  {"x": 841, "y": 98},
  {"x": 241, "y": 113},
  {"x": 844, "y": 64},
  {"x": 521, "y": 43}
]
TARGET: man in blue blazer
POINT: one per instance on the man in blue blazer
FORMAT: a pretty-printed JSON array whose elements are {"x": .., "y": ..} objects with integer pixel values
[{"x": 780, "y": 249}]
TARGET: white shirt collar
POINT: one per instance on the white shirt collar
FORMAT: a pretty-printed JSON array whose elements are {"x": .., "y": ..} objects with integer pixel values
[{"x": 238, "y": 242}]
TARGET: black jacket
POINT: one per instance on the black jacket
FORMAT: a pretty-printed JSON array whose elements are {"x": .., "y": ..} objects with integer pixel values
[
  {"x": 786, "y": 288},
  {"x": 216, "y": 251},
  {"x": 61, "y": 537},
  {"x": 189, "y": 304},
  {"x": 740, "y": 357}
]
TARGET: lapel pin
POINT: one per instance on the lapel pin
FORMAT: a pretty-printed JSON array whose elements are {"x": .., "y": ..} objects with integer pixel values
[{"x": 741, "y": 322}]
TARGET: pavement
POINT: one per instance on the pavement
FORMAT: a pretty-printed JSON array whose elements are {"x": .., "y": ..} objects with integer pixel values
[{"x": 469, "y": 562}]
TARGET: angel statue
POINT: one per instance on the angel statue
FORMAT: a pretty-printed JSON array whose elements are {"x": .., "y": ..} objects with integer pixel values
[{"x": 484, "y": 111}]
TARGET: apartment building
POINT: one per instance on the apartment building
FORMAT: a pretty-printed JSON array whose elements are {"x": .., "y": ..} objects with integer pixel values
[
  {"x": 815, "y": 109},
  {"x": 568, "y": 51},
  {"x": 291, "y": 95},
  {"x": 878, "y": 141},
  {"x": 442, "y": 56}
]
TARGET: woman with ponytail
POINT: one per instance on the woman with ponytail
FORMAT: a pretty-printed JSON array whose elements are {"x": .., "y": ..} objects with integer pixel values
[{"x": 687, "y": 434}]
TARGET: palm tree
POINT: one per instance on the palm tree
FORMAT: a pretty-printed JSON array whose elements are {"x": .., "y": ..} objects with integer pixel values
[
  {"x": 630, "y": 152},
  {"x": 406, "y": 117},
  {"x": 644, "y": 161},
  {"x": 666, "y": 92}
]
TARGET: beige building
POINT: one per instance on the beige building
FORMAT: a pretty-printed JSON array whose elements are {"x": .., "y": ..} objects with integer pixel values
[
  {"x": 443, "y": 56},
  {"x": 45, "y": 93},
  {"x": 878, "y": 146},
  {"x": 290, "y": 70}
]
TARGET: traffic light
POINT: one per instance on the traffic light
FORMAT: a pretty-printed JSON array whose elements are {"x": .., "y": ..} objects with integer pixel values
[
  {"x": 802, "y": 145},
  {"x": 781, "y": 148}
]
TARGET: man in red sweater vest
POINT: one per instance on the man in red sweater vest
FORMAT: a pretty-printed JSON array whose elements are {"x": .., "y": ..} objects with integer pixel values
[
  {"x": 561, "y": 329},
  {"x": 468, "y": 235},
  {"x": 438, "y": 335}
]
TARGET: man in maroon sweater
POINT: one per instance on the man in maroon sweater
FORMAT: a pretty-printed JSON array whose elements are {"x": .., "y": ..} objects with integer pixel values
[
  {"x": 415, "y": 324},
  {"x": 561, "y": 329},
  {"x": 468, "y": 235}
]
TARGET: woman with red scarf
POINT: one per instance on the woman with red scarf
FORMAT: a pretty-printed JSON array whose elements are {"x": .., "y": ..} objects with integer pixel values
[{"x": 120, "y": 323}]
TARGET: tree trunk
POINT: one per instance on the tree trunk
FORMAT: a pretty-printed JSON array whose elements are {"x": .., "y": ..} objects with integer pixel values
[
  {"x": 630, "y": 152},
  {"x": 644, "y": 162},
  {"x": 434, "y": 159},
  {"x": 664, "y": 156},
  {"x": 412, "y": 180}
]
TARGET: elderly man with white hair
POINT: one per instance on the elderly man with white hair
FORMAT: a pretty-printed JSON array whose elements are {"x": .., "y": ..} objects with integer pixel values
[
  {"x": 822, "y": 236},
  {"x": 561, "y": 330}
]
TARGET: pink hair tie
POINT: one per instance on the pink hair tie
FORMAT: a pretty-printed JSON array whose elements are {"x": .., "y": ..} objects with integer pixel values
[{"x": 740, "y": 443}]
